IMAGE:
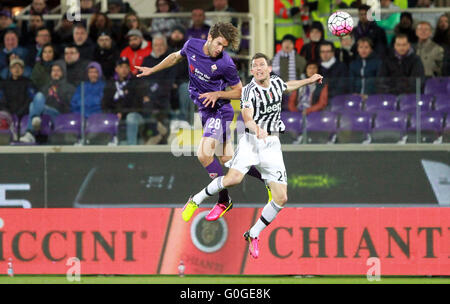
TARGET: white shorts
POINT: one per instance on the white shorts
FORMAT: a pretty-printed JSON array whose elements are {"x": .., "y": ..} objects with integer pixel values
[{"x": 266, "y": 156}]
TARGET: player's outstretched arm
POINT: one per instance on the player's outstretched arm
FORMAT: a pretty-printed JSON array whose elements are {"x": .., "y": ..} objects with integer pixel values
[
  {"x": 210, "y": 98},
  {"x": 168, "y": 62},
  {"x": 293, "y": 85}
]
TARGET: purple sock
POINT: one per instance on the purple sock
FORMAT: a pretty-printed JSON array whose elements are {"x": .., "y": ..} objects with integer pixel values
[
  {"x": 255, "y": 173},
  {"x": 214, "y": 170}
]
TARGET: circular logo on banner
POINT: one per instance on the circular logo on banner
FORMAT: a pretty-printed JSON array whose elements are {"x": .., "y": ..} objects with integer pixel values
[{"x": 208, "y": 236}]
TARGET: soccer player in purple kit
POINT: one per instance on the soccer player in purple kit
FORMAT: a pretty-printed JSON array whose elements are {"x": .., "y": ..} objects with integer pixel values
[{"x": 211, "y": 71}]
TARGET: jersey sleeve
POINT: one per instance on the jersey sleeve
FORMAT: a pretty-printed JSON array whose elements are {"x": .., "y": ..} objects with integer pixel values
[
  {"x": 247, "y": 98},
  {"x": 184, "y": 49},
  {"x": 231, "y": 75}
]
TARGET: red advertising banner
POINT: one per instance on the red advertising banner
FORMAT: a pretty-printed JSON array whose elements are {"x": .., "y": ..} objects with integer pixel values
[{"x": 317, "y": 241}]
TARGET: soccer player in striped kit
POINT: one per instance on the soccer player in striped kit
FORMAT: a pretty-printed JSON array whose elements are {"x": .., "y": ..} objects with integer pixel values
[
  {"x": 260, "y": 146},
  {"x": 211, "y": 70}
]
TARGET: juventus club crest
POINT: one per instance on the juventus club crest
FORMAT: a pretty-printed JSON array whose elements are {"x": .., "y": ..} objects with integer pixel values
[{"x": 213, "y": 68}]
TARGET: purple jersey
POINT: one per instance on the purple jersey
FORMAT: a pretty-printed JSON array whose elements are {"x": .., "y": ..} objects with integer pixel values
[{"x": 207, "y": 74}]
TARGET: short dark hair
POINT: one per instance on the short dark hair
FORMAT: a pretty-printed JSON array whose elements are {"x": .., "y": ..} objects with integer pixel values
[
  {"x": 261, "y": 55},
  {"x": 325, "y": 42},
  {"x": 365, "y": 39},
  {"x": 364, "y": 7},
  {"x": 71, "y": 46},
  {"x": 227, "y": 31},
  {"x": 401, "y": 35}
]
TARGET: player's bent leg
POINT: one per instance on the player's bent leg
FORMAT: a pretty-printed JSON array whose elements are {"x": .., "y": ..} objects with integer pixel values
[
  {"x": 232, "y": 178},
  {"x": 279, "y": 193}
]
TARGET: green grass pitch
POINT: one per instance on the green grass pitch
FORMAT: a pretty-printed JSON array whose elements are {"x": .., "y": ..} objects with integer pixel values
[{"x": 206, "y": 279}]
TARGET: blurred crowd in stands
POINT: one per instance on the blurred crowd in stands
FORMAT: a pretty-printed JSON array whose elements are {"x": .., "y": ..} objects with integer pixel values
[{"x": 53, "y": 67}]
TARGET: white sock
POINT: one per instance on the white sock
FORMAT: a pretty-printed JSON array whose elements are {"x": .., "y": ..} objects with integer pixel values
[
  {"x": 214, "y": 187},
  {"x": 268, "y": 214}
]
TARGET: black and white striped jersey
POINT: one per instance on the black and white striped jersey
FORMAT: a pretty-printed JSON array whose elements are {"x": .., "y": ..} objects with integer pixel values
[{"x": 266, "y": 103}]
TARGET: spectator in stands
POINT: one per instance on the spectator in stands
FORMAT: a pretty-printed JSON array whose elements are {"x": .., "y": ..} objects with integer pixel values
[
  {"x": 40, "y": 76},
  {"x": 442, "y": 33},
  {"x": 222, "y": 6},
  {"x": 93, "y": 92},
  {"x": 100, "y": 23},
  {"x": 43, "y": 37},
  {"x": 138, "y": 48},
  {"x": 309, "y": 98},
  {"x": 124, "y": 96},
  {"x": 118, "y": 7},
  {"x": 364, "y": 69},
  {"x": 106, "y": 53},
  {"x": 75, "y": 66},
  {"x": 370, "y": 29},
  {"x": 38, "y": 7},
  {"x": 63, "y": 33},
  {"x": 287, "y": 63},
  {"x": 6, "y": 22},
  {"x": 406, "y": 27},
  {"x": 159, "y": 90},
  {"x": 399, "y": 70},
  {"x": 199, "y": 28},
  {"x": 87, "y": 7},
  {"x": 10, "y": 45},
  {"x": 5, "y": 73},
  {"x": 57, "y": 95},
  {"x": 17, "y": 92},
  {"x": 131, "y": 21},
  {"x": 165, "y": 25},
  {"x": 345, "y": 53},
  {"x": 431, "y": 54},
  {"x": 29, "y": 30},
  {"x": 334, "y": 71},
  {"x": 83, "y": 42},
  {"x": 177, "y": 38},
  {"x": 310, "y": 50}
]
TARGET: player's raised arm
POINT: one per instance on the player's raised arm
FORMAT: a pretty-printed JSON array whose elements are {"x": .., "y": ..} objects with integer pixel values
[
  {"x": 293, "y": 85},
  {"x": 210, "y": 98},
  {"x": 169, "y": 61}
]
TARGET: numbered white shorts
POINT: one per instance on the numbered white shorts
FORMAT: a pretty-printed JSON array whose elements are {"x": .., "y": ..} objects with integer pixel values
[{"x": 266, "y": 156}]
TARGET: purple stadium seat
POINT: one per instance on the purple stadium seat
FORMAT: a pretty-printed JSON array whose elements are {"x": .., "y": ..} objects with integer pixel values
[
  {"x": 346, "y": 102},
  {"x": 102, "y": 129},
  {"x": 46, "y": 125},
  {"x": 407, "y": 103},
  {"x": 389, "y": 127},
  {"x": 294, "y": 126},
  {"x": 354, "y": 127},
  {"x": 66, "y": 130},
  {"x": 381, "y": 102},
  {"x": 431, "y": 124},
  {"x": 436, "y": 85},
  {"x": 442, "y": 103},
  {"x": 321, "y": 127}
]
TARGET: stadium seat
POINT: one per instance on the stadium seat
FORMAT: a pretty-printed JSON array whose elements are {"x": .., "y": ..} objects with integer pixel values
[
  {"x": 321, "y": 127},
  {"x": 436, "y": 85},
  {"x": 407, "y": 103},
  {"x": 341, "y": 103},
  {"x": 354, "y": 127},
  {"x": 67, "y": 129},
  {"x": 46, "y": 125},
  {"x": 431, "y": 124},
  {"x": 389, "y": 127},
  {"x": 294, "y": 127},
  {"x": 442, "y": 103},
  {"x": 381, "y": 102},
  {"x": 102, "y": 129}
]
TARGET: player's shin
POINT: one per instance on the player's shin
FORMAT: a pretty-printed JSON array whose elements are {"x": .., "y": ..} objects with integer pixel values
[
  {"x": 268, "y": 214},
  {"x": 213, "y": 188}
]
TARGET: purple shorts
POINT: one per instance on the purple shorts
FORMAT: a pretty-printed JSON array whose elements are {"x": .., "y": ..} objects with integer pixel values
[{"x": 216, "y": 122}]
